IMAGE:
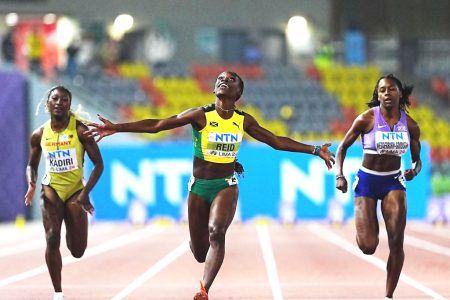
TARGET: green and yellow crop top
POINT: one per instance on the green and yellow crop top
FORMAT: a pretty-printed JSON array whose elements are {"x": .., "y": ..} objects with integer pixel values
[
  {"x": 220, "y": 139},
  {"x": 63, "y": 153}
]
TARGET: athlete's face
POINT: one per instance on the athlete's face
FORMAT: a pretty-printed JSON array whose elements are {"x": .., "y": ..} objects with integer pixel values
[
  {"x": 228, "y": 85},
  {"x": 58, "y": 103},
  {"x": 389, "y": 93}
]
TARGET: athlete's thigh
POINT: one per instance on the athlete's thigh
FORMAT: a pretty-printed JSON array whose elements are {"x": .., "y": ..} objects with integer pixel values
[
  {"x": 198, "y": 217},
  {"x": 52, "y": 208},
  {"x": 394, "y": 209},
  {"x": 366, "y": 220},
  {"x": 223, "y": 207},
  {"x": 76, "y": 221}
]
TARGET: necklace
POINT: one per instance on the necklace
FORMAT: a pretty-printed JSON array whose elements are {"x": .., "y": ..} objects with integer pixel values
[{"x": 226, "y": 110}]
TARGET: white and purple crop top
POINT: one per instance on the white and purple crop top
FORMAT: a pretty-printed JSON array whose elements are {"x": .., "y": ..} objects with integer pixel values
[{"x": 381, "y": 140}]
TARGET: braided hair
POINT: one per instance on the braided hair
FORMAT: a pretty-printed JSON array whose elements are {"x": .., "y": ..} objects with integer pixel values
[{"x": 406, "y": 91}]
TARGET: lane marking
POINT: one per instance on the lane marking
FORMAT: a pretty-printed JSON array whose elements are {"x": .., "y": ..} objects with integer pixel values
[
  {"x": 422, "y": 244},
  {"x": 90, "y": 252},
  {"x": 339, "y": 241},
  {"x": 27, "y": 245},
  {"x": 11, "y": 234},
  {"x": 442, "y": 232},
  {"x": 426, "y": 245},
  {"x": 153, "y": 270},
  {"x": 269, "y": 260},
  {"x": 22, "y": 247}
]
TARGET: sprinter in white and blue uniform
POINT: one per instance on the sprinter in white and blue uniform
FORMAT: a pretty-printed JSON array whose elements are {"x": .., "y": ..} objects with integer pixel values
[{"x": 387, "y": 132}]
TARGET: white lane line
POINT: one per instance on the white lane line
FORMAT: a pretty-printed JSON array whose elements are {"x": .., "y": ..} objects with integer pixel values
[
  {"x": 269, "y": 260},
  {"x": 90, "y": 252},
  {"x": 425, "y": 245},
  {"x": 32, "y": 245},
  {"x": 11, "y": 234},
  {"x": 422, "y": 244},
  {"x": 153, "y": 270},
  {"x": 434, "y": 230},
  {"x": 339, "y": 241},
  {"x": 22, "y": 247}
]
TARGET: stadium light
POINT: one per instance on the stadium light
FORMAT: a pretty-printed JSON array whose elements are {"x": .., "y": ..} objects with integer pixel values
[
  {"x": 122, "y": 24},
  {"x": 298, "y": 34},
  {"x": 11, "y": 19},
  {"x": 49, "y": 19},
  {"x": 66, "y": 30}
]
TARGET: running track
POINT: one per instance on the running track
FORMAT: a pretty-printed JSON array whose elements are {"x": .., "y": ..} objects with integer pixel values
[{"x": 264, "y": 260}]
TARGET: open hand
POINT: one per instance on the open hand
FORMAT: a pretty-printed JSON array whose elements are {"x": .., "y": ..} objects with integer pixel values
[
  {"x": 327, "y": 155},
  {"x": 30, "y": 194},
  {"x": 99, "y": 130},
  {"x": 84, "y": 202},
  {"x": 86, "y": 205}
]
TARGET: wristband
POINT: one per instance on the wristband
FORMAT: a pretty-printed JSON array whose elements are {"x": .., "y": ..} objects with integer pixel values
[
  {"x": 316, "y": 150},
  {"x": 339, "y": 176}
]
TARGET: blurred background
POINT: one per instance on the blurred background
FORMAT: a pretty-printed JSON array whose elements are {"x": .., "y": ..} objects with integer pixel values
[{"x": 309, "y": 69}]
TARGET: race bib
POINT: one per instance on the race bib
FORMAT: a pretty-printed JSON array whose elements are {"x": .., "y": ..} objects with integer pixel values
[
  {"x": 60, "y": 161},
  {"x": 393, "y": 143}
]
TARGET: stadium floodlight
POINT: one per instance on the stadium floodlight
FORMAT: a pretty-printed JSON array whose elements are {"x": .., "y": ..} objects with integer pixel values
[
  {"x": 12, "y": 19},
  {"x": 121, "y": 25},
  {"x": 49, "y": 18},
  {"x": 298, "y": 34}
]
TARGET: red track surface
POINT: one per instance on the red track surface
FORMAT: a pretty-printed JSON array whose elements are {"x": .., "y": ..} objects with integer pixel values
[{"x": 263, "y": 261}]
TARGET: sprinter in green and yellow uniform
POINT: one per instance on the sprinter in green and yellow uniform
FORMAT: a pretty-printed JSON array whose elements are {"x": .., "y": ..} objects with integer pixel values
[
  {"x": 218, "y": 130},
  {"x": 64, "y": 195}
]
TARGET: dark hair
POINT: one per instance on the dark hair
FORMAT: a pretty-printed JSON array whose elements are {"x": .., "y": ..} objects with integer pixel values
[
  {"x": 60, "y": 87},
  {"x": 406, "y": 91},
  {"x": 241, "y": 82}
]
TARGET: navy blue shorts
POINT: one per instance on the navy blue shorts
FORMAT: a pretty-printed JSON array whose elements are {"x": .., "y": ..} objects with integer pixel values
[{"x": 377, "y": 186}]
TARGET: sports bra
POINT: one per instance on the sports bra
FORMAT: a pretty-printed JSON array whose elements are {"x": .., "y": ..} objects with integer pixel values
[{"x": 382, "y": 140}]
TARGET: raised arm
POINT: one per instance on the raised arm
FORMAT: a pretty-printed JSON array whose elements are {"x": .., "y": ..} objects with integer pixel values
[
  {"x": 252, "y": 127},
  {"x": 363, "y": 123},
  {"x": 95, "y": 156},
  {"x": 193, "y": 116},
  {"x": 414, "y": 146},
  {"x": 33, "y": 164}
]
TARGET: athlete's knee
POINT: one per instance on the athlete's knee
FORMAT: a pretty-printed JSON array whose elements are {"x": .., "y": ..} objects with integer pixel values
[
  {"x": 367, "y": 246},
  {"x": 53, "y": 238},
  {"x": 199, "y": 255},
  {"x": 77, "y": 252},
  {"x": 76, "y": 247},
  {"x": 217, "y": 234},
  {"x": 396, "y": 243}
]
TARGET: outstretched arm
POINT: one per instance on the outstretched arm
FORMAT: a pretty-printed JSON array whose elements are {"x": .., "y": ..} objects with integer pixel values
[
  {"x": 414, "y": 134},
  {"x": 261, "y": 134},
  {"x": 194, "y": 116},
  {"x": 33, "y": 164}
]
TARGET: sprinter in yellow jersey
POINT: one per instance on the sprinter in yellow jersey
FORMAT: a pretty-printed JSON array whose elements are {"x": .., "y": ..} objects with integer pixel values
[
  {"x": 218, "y": 130},
  {"x": 64, "y": 197}
]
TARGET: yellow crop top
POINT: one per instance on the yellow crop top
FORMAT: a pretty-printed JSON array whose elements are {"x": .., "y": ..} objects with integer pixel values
[
  {"x": 63, "y": 154},
  {"x": 220, "y": 140}
]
